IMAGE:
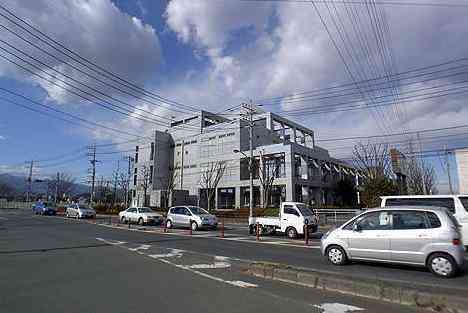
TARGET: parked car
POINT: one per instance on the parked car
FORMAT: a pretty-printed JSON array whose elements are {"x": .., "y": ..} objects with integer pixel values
[
  {"x": 44, "y": 208},
  {"x": 80, "y": 211},
  {"x": 292, "y": 219},
  {"x": 140, "y": 215},
  {"x": 421, "y": 236},
  {"x": 456, "y": 204},
  {"x": 191, "y": 216}
]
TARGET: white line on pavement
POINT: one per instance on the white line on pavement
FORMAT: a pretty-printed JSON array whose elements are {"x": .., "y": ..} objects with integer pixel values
[
  {"x": 337, "y": 308},
  {"x": 210, "y": 266},
  {"x": 142, "y": 247},
  {"x": 114, "y": 243},
  {"x": 173, "y": 253},
  {"x": 236, "y": 283}
]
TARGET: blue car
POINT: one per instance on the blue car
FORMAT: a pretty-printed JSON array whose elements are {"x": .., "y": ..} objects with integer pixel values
[{"x": 44, "y": 208}]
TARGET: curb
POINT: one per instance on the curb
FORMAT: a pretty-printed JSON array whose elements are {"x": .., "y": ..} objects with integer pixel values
[{"x": 438, "y": 299}]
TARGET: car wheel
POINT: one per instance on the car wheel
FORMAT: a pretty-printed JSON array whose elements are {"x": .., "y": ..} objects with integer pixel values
[
  {"x": 140, "y": 221},
  {"x": 168, "y": 224},
  {"x": 291, "y": 232},
  {"x": 442, "y": 264},
  {"x": 336, "y": 255},
  {"x": 124, "y": 220},
  {"x": 194, "y": 226}
]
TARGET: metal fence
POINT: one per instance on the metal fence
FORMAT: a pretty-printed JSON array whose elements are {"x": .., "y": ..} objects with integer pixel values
[
  {"x": 336, "y": 216},
  {"x": 15, "y": 204}
]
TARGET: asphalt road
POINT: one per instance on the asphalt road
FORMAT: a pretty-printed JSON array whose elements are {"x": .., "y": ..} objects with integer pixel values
[
  {"x": 51, "y": 264},
  {"x": 292, "y": 252}
]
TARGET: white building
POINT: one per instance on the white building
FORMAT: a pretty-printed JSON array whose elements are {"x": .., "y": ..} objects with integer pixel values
[{"x": 461, "y": 156}]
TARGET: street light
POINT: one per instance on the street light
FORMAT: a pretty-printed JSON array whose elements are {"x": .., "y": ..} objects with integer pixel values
[{"x": 251, "y": 180}]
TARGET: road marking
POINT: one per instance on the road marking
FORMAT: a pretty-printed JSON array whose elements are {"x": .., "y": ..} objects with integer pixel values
[
  {"x": 337, "y": 308},
  {"x": 221, "y": 258},
  {"x": 211, "y": 266},
  {"x": 142, "y": 247},
  {"x": 114, "y": 243},
  {"x": 236, "y": 283},
  {"x": 174, "y": 253},
  {"x": 3, "y": 218}
]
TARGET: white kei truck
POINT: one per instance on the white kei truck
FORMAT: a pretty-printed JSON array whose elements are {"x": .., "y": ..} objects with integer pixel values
[{"x": 292, "y": 219}]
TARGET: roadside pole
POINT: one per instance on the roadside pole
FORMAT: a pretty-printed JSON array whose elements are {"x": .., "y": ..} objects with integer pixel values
[
  {"x": 28, "y": 194},
  {"x": 222, "y": 227}
]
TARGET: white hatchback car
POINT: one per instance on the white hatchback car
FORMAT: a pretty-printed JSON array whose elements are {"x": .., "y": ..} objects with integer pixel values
[
  {"x": 80, "y": 211},
  {"x": 140, "y": 215},
  {"x": 190, "y": 216}
]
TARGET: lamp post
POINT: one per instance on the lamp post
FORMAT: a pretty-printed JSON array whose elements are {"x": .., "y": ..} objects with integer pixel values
[{"x": 251, "y": 180}]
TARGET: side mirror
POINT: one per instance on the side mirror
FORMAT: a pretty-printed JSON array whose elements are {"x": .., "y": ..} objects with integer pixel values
[{"x": 356, "y": 227}]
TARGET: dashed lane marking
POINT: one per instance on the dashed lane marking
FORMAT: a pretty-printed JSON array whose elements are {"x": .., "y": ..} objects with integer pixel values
[
  {"x": 142, "y": 247},
  {"x": 173, "y": 253},
  {"x": 114, "y": 243},
  {"x": 210, "y": 266},
  {"x": 337, "y": 308}
]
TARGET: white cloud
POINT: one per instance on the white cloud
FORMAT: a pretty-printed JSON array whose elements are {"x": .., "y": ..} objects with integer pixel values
[
  {"x": 97, "y": 30},
  {"x": 2, "y": 137}
]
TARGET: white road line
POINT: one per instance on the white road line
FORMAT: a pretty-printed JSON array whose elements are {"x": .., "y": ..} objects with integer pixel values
[
  {"x": 211, "y": 266},
  {"x": 114, "y": 243},
  {"x": 337, "y": 308},
  {"x": 174, "y": 253},
  {"x": 236, "y": 283},
  {"x": 3, "y": 218},
  {"x": 142, "y": 247}
]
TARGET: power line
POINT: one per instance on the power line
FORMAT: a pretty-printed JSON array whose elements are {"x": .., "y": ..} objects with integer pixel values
[
  {"x": 86, "y": 62},
  {"x": 382, "y": 3}
]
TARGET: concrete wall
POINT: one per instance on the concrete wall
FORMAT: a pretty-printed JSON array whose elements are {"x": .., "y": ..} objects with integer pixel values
[{"x": 462, "y": 170}]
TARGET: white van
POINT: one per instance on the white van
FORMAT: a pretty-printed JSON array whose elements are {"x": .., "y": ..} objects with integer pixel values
[{"x": 456, "y": 204}]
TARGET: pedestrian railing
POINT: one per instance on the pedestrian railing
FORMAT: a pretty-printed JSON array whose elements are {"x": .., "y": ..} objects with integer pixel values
[{"x": 336, "y": 216}]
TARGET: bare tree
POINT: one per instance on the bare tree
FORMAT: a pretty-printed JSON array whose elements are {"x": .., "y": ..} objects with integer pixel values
[
  {"x": 62, "y": 184},
  {"x": 210, "y": 179},
  {"x": 145, "y": 181},
  {"x": 373, "y": 159},
  {"x": 168, "y": 184},
  {"x": 267, "y": 175},
  {"x": 123, "y": 184},
  {"x": 421, "y": 177}
]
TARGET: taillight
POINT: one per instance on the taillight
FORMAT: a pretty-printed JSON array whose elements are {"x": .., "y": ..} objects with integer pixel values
[{"x": 456, "y": 242}]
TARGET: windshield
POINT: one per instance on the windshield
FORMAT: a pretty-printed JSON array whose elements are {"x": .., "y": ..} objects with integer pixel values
[
  {"x": 197, "y": 211},
  {"x": 305, "y": 210},
  {"x": 464, "y": 201},
  {"x": 145, "y": 210},
  {"x": 85, "y": 208}
]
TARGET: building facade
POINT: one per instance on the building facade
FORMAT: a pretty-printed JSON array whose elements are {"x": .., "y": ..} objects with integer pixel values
[
  {"x": 461, "y": 157},
  {"x": 287, "y": 162}
]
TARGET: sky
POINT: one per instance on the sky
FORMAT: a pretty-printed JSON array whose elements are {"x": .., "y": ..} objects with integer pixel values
[{"x": 215, "y": 54}]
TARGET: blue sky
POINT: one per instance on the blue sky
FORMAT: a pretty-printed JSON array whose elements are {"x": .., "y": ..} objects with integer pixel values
[{"x": 213, "y": 54}]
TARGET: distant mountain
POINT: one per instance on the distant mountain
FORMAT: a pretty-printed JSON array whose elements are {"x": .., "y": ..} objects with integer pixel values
[{"x": 20, "y": 184}]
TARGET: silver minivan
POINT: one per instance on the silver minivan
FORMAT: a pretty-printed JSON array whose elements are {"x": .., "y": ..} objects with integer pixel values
[{"x": 422, "y": 236}]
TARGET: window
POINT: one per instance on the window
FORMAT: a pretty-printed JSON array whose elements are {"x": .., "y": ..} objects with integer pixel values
[
  {"x": 448, "y": 203},
  {"x": 151, "y": 174},
  {"x": 193, "y": 141},
  {"x": 289, "y": 209},
  {"x": 134, "y": 180},
  {"x": 464, "y": 201},
  {"x": 152, "y": 152},
  {"x": 409, "y": 220},
  {"x": 136, "y": 157},
  {"x": 132, "y": 210},
  {"x": 434, "y": 221},
  {"x": 185, "y": 211},
  {"x": 375, "y": 221}
]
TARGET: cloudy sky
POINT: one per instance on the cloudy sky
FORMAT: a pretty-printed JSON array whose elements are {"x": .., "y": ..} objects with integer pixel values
[{"x": 214, "y": 54}]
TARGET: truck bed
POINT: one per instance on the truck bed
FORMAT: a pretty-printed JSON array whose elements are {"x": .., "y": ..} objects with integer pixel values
[{"x": 265, "y": 220}]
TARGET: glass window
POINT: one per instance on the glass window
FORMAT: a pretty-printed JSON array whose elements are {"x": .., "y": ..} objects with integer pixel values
[
  {"x": 305, "y": 210},
  {"x": 434, "y": 221},
  {"x": 439, "y": 202},
  {"x": 185, "y": 211},
  {"x": 289, "y": 209},
  {"x": 464, "y": 201},
  {"x": 376, "y": 221},
  {"x": 409, "y": 220},
  {"x": 132, "y": 210},
  {"x": 145, "y": 210},
  {"x": 196, "y": 210}
]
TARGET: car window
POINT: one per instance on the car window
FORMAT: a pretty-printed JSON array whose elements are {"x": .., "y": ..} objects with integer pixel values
[
  {"x": 176, "y": 210},
  {"x": 132, "y": 210},
  {"x": 448, "y": 203},
  {"x": 409, "y": 220},
  {"x": 144, "y": 210},
  {"x": 305, "y": 210},
  {"x": 289, "y": 209},
  {"x": 198, "y": 210},
  {"x": 380, "y": 220},
  {"x": 464, "y": 201},
  {"x": 186, "y": 211},
  {"x": 433, "y": 219}
]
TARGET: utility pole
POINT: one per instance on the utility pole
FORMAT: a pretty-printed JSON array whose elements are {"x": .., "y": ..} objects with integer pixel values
[
  {"x": 92, "y": 170},
  {"x": 422, "y": 164},
  {"x": 250, "y": 112},
  {"x": 116, "y": 177},
  {"x": 28, "y": 194},
  {"x": 447, "y": 164},
  {"x": 57, "y": 186}
]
